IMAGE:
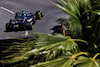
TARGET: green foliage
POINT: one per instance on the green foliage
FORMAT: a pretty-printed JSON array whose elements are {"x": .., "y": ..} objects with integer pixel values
[
  {"x": 52, "y": 42},
  {"x": 48, "y": 47},
  {"x": 83, "y": 15},
  {"x": 85, "y": 20},
  {"x": 72, "y": 8},
  {"x": 62, "y": 51},
  {"x": 18, "y": 51},
  {"x": 88, "y": 62},
  {"x": 72, "y": 61},
  {"x": 53, "y": 46}
]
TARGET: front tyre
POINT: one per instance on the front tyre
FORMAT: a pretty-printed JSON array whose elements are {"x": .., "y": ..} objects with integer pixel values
[{"x": 39, "y": 15}]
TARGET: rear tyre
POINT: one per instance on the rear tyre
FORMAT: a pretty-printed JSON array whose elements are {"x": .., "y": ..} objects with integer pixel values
[
  {"x": 39, "y": 15},
  {"x": 8, "y": 27},
  {"x": 29, "y": 26}
]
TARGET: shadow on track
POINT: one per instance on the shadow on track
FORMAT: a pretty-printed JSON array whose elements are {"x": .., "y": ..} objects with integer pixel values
[
  {"x": 15, "y": 30},
  {"x": 58, "y": 28}
]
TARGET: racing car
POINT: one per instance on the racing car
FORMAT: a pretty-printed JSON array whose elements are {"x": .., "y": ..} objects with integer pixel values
[{"x": 23, "y": 21}]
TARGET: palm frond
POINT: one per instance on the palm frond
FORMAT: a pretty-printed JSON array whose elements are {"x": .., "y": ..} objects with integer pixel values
[
  {"x": 48, "y": 47},
  {"x": 77, "y": 60},
  {"x": 88, "y": 62},
  {"x": 63, "y": 61}
]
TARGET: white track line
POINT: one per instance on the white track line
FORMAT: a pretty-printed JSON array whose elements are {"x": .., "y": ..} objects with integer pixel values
[
  {"x": 26, "y": 32},
  {"x": 7, "y": 10}
]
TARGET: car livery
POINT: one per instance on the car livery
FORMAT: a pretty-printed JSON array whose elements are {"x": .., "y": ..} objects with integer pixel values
[{"x": 23, "y": 21}]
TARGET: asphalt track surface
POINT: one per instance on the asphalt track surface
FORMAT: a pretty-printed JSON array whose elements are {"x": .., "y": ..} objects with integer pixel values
[{"x": 8, "y": 8}]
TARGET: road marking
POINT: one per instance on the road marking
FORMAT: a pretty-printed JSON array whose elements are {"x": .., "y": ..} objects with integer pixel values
[
  {"x": 26, "y": 32},
  {"x": 7, "y": 10}
]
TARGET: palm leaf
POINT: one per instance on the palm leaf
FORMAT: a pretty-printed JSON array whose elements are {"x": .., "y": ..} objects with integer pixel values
[
  {"x": 72, "y": 8},
  {"x": 88, "y": 62},
  {"x": 63, "y": 61},
  {"x": 47, "y": 48}
]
